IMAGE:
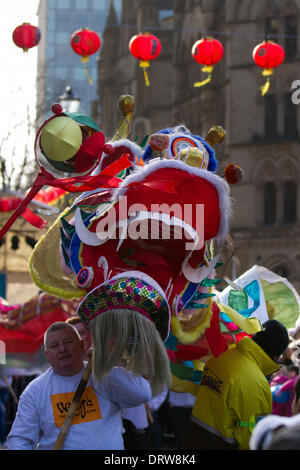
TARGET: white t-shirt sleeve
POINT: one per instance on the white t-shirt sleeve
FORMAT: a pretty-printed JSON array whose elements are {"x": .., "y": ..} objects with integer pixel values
[
  {"x": 156, "y": 402},
  {"x": 125, "y": 389},
  {"x": 24, "y": 434}
]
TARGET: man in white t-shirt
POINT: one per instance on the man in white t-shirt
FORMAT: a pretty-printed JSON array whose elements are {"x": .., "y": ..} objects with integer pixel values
[{"x": 45, "y": 401}]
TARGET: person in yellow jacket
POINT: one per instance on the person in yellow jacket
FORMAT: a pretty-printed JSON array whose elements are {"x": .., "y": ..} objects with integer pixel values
[{"x": 234, "y": 392}]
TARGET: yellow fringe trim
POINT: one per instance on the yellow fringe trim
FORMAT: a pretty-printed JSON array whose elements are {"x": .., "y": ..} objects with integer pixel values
[
  {"x": 57, "y": 292},
  {"x": 45, "y": 285},
  {"x": 188, "y": 337}
]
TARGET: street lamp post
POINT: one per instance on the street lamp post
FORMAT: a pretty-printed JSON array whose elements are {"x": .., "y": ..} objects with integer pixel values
[{"x": 69, "y": 102}]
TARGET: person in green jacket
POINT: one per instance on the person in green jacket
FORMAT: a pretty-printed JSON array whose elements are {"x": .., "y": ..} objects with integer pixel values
[{"x": 234, "y": 392}]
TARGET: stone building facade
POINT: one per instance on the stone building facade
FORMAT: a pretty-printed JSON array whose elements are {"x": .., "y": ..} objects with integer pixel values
[{"x": 263, "y": 131}]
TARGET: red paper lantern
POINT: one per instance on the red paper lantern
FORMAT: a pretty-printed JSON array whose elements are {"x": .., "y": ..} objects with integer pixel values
[
  {"x": 85, "y": 42},
  {"x": 145, "y": 47},
  {"x": 26, "y": 36},
  {"x": 207, "y": 52},
  {"x": 268, "y": 55}
]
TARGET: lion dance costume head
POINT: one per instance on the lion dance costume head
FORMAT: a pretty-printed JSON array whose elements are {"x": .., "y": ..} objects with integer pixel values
[{"x": 139, "y": 253}]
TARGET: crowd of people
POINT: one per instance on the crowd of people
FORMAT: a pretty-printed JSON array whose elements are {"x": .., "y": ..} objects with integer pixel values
[
  {"x": 258, "y": 381},
  {"x": 133, "y": 418}
]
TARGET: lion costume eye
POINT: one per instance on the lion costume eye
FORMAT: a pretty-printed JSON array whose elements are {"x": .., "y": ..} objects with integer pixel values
[{"x": 181, "y": 142}]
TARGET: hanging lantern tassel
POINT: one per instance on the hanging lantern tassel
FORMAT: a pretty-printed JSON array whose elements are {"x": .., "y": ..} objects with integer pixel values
[
  {"x": 84, "y": 60},
  {"x": 265, "y": 88},
  {"x": 207, "y": 69},
  {"x": 144, "y": 64}
]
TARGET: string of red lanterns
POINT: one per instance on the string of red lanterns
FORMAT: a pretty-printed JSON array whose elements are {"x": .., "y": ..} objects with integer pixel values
[{"x": 146, "y": 47}]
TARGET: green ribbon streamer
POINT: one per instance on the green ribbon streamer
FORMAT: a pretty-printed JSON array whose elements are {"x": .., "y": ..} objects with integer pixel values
[
  {"x": 210, "y": 282},
  {"x": 195, "y": 305},
  {"x": 70, "y": 229},
  {"x": 202, "y": 295},
  {"x": 185, "y": 373}
]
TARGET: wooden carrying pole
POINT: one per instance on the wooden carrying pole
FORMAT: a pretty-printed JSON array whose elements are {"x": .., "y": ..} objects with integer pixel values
[{"x": 74, "y": 406}]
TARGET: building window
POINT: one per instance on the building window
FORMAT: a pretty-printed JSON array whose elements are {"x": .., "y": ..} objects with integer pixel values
[
  {"x": 51, "y": 5},
  {"x": 290, "y": 32},
  {"x": 50, "y": 53},
  {"x": 63, "y": 56},
  {"x": 269, "y": 203},
  {"x": 61, "y": 73},
  {"x": 62, "y": 38},
  {"x": 62, "y": 20},
  {"x": 270, "y": 117},
  {"x": 163, "y": 14},
  {"x": 289, "y": 202},
  {"x": 271, "y": 27},
  {"x": 3, "y": 285},
  {"x": 290, "y": 117},
  {"x": 51, "y": 25},
  {"x": 81, "y": 4},
  {"x": 63, "y": 4}
]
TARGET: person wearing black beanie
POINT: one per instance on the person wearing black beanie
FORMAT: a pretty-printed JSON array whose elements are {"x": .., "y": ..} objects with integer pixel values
[
  {"x": 234, "y": 392},
  {"x": 273, "y": 338}
]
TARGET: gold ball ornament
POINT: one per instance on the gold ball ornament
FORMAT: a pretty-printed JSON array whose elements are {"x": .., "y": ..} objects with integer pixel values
[
  {"x": 61, "y": 138},
  {"x": 126, "y": 104},
  {"x": 216, "y": 135},
  {"x": 194, "y": 157}
]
